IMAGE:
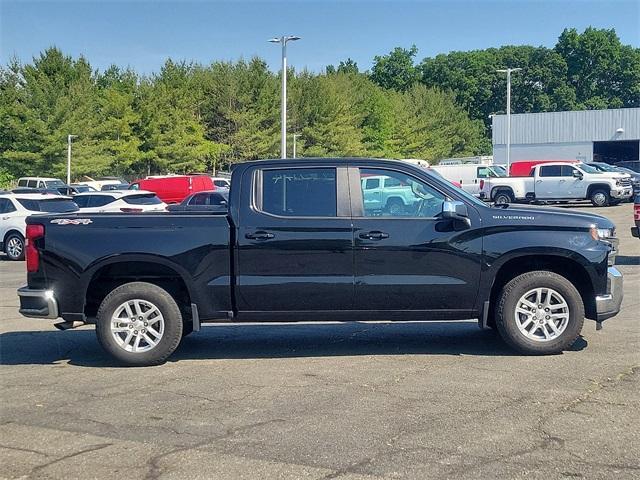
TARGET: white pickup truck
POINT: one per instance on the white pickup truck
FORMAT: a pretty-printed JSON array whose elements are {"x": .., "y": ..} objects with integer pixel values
[{"x": 559, "y": 182}]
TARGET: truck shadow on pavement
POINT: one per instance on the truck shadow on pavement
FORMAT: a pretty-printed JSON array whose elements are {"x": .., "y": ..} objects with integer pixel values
[{"x": 80, "y": 347}]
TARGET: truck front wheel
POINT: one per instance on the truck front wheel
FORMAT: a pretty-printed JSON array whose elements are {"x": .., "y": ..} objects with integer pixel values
[
  {"x": 540, "y": 313},
  {"x": 600, "y": 198},
  {"x": 139, "y": 324}
]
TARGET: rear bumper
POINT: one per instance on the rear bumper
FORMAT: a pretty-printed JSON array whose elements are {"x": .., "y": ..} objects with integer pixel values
[
  {"x": 608, "y": 305},
  {"x": 635, "y": 231},
  {"x": 36, "y": 303}
]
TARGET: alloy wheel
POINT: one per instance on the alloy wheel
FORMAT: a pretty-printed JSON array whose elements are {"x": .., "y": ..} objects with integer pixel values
[
  {"x": 14, "y": 247},
  {"x": 137, "y": 326},
  {"x": 542, "y": 314}
]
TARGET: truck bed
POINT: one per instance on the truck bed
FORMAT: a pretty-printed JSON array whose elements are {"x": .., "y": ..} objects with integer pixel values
[{"x": 194, "y": 245}]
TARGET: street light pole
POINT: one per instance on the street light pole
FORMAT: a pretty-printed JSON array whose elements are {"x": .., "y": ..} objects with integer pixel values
[
  {"x": 283, "y": 114},
  {"x": 69, "y": 137},
  {"x": 508, "y": 71},
  {"x": 295, "y": 135}
]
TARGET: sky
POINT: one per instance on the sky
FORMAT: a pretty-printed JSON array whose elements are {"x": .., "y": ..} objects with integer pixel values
[{"x": 143, "y": 34}]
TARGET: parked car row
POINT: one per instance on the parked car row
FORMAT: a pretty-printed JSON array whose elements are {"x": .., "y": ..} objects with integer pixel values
[
  {"x": 546, "y": 181},
  {"x": 196, "y": 193}
]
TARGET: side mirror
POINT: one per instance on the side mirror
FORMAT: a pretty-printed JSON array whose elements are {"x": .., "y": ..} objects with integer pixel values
[
  {"x": 456, "y": 210},
  {"x": 577, "y": 174}
]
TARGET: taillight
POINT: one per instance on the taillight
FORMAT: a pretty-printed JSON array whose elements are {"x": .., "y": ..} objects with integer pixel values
[
  {"x": 481, "y": 184},
  {"x": 130, "y": 210},
  {"x": 636, "y": 211},
  {"x": 34, "y": 232}
]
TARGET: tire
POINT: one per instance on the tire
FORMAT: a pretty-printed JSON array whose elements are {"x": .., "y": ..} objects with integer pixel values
[
  {"x": 600, "y": 198},
  {"x": 395, "y": 207},
  {"x": 165, "y": 321},
  {"x": 502, "y": 197},
  {"x": 14, "y": 246},
  {"x": 540, "y": 338}
]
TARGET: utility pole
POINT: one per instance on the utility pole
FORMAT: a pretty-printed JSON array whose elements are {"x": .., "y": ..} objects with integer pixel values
[
  {"x": 295, "y": 135},
  {"x": 283, "y": 114},
  {"x": 69, "y": 137},
  {"x": 508, "y": 71}
]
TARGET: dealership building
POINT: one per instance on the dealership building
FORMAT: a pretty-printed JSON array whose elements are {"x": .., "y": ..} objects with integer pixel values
[{"x": 611, "y": 136}]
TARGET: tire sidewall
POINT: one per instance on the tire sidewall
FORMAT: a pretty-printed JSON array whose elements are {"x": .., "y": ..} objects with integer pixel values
[
  {"x": 6, "y": 247},
  {"x": 167, "y": 306},
  {"x": 506, "y": 321},
  {"x": 503, "y": 195}
]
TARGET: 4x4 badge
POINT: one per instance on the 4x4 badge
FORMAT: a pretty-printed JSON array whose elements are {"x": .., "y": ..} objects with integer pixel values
[{"x": 72, "y": 221}]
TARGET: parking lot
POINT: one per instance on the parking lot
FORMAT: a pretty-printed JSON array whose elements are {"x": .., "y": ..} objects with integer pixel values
[{"x": 314, "y": 401}]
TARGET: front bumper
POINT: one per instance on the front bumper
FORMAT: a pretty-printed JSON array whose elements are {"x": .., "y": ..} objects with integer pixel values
[
  {"x": 608, "y": 305},
  {"x": 621, "y": 193},
  {"x": 36, "y": 303}
]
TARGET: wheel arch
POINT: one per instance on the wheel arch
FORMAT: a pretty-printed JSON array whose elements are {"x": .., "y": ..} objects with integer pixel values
[
  {"x": 569, "y": 266},
  {"x": 108, "y": 274},
  {"x": 598, "y": 186},
  {"x": 501, "y": 188},
  {"x": 9, "y": 232}
]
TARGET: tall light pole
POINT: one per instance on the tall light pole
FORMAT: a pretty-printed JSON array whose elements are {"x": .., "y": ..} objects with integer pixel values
[
  {"x": 508, "y": 71},
  {"x": 295, "y": 135},
  {"x": 283, "y": 114},
  {"x": 69, "y": 137}
]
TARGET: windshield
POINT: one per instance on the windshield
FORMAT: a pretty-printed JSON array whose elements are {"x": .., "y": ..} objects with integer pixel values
[
  {"x": 55, "y": 183},
  {"x": 604, "y": 167},
  {"x": 587, "y": 168},
  {"x": 499, "y": 170}
]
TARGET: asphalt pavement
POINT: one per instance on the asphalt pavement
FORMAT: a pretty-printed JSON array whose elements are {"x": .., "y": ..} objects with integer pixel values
[{"x": 324, "y": 401}]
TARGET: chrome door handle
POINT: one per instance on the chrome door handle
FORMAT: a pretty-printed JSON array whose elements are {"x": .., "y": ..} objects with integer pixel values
[
  {"x": 259, "y": 235},
  {"x": 374, "y": 235}
]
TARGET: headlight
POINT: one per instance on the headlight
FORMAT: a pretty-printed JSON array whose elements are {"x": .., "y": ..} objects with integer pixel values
[
  {"x": 602, "y": 233},
  {"x": 618, "y": 182}
]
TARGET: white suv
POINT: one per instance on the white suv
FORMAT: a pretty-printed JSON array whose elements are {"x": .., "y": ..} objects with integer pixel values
[
  {"x": 127, "y": 201},
  {"x": 16, "y": 207},
  {"x": 40, "y": 182}
]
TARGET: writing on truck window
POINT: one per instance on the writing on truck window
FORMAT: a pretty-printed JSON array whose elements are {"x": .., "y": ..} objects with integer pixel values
[{"x": 299, "y": 192}]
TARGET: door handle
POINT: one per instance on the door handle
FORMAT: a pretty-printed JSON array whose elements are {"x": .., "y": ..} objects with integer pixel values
[
  {"x": 562, "y": 181},
  {"x": 374, "y": 235},
  {"x": 259, "y": 235}
]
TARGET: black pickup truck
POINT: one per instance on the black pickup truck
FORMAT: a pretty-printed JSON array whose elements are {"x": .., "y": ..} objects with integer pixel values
[{"x": 319, "y": 240}]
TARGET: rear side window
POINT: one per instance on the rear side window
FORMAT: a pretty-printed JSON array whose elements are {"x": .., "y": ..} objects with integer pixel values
[
  {"x": 551, "y": 171},
  {"x": 299, "y": 192},
  {"x": 32, "y": 184},
  {"x": 22, "y": 183},
  {"x": 371, "y": 183},
  {"x": 6, "y": 206},
  {"x": 100, "y": 200},
  {"x": 50, "y": 206},
  {"x": 142, "y": 199},
  {"x": 82, "y": 200}
]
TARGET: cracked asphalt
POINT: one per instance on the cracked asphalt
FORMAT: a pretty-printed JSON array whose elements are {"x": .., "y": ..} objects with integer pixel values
[{"x": 333, "y": 401}]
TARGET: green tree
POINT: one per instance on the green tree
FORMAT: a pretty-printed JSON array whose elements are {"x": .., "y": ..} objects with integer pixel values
[{"x": 396, "y": 70}]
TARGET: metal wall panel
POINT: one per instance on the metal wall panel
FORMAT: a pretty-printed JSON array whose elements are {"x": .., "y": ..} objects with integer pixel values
[{"x": 568, "y": 127}]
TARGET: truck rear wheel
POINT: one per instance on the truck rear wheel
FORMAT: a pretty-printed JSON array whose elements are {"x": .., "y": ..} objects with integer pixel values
[
  {"x": 395, "y": 207},
  {"x": 540, "y": 313},
  {"x": 139, "y": 324},
  {"x": 503, "y": 197},
  {"x": 600, "y": 198}
]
